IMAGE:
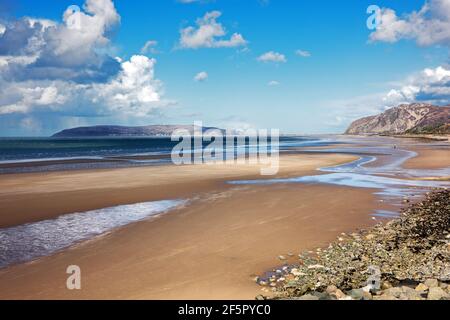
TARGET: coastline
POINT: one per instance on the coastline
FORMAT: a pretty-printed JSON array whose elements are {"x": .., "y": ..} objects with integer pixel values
[{"x": 211, "y": 249}]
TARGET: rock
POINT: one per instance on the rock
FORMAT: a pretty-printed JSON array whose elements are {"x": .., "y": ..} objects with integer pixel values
[
  {"x": 282, "y": 258},
  {"x": 431, "y": 283},
  {"x": 437, "y": 293},
  {"x": 402, "y": 293},
  {"x": 323, "y": 296},
  {"x": 316, "y": 266},
  {"x": 385, "y": 296},
  {"x": 339, "y": 295},
  {"x": 386, "y": 285},
  {"x": 359, "y": 294},
  {"x": 260, "y": 297},
  {"x": 370, "y": 237},
  {"x": 411, "y": 294},
  {"x": 421, "y": 287},
  {"x": 406, "y": 118},
  {"x": 308, "y": 297},
  {"x": 331, "y": 289}
]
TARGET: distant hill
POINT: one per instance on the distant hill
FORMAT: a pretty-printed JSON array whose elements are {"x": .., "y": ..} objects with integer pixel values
[
  {"x": 121, "y": 131},
  {"x": 415, "y": 118}
]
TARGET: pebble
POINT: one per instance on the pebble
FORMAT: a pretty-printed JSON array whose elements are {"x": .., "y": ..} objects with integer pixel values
[
  {"x": 437, "y": 293},
  {"x": 421, "y": 287},
  {"x": 431, "y": 283}
]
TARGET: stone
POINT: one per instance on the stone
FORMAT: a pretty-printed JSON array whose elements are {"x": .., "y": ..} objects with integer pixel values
[
  {"x": 386, "y": 285},
  {"x": 421, "y": 287},
  {"x": 331, "y": 289},
  {"x": 308, "y": 297},
  {"x": 282, "y": 258},
  {"x": 385, "y": 296},
  {"x": 359, "y": 294},
  {"x": 316, "y": 266},
  {"x": 370, "y": 237},
  {"x": 437, "y": 293},
  {"x": 431, "y": 283},
  {"x": 410, "y": 294},
  {"x": 339, "y": 294},
  {"x": 393, "y": 292}
]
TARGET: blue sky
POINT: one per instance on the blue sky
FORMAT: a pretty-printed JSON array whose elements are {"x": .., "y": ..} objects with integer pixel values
[{"x": 345, "y": 70}]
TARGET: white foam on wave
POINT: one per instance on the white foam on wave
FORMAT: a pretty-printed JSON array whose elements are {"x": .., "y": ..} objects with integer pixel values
[{"x": 30, "y": 241}]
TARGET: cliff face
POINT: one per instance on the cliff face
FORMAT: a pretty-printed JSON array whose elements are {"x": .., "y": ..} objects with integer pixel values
[
  {"x": 416, "y": 118},
  {"x": 119, "y": 131}
]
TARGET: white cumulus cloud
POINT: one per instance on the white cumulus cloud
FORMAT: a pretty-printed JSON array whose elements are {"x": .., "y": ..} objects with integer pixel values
[
  {"x": 303, "y": 53},
  {"x": 428, "y": 26},
  {"x": 201, "y": 76},
  {"x": 272, "y": 56},
  {"x": 149, "y": 47},
  {"x": 57, "y": 73},
  {"x": 209, "y": 33}
]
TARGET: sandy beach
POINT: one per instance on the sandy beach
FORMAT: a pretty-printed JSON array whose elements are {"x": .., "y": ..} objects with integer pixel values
[{"x": 211, "y": 248}]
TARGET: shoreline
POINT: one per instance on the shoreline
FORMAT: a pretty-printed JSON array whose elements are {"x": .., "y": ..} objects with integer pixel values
[
  {"x": 31, "y": 197},
  {"x": 207, "y": 236},
  {"x": 195, "y": 252}
]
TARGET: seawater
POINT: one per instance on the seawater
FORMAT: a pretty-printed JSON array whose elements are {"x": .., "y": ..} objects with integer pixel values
[{"x": 27, "y": 242}]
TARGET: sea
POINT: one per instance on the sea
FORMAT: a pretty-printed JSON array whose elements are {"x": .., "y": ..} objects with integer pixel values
[{"x": 53, "y": 154}]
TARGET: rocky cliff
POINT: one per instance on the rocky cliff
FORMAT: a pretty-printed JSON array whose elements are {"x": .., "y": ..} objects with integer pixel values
[{"x": 416, "y": 118}]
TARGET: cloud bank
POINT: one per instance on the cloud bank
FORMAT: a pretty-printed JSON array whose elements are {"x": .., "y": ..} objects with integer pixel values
[
  {"x": 53, "y": 71},
  {"x": 428, "y": 26}
]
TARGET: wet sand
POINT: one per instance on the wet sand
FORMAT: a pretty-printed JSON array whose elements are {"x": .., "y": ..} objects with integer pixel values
[
  {"x": 33, "y": 197},
  {"x": 429, "y": 158},
  {"x": 209, "y": 250}
]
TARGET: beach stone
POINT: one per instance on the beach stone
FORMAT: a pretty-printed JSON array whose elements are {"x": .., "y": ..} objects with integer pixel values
[
  {"x": 386, "y": 297},
  {"x": 431, "y": 283},
  {"x": 411, "y": 294},
  {"x": 282, "y": 258},
  {"x": 421, "y": 287},
  {"x": 403, "y": 293},
  {"x": 308, "y": 297},
  {"x": 386, "y": 285},
  {"x": 331, "y": 289},
  {"x": 370, "y": 237},
  {"x": 437, "y": 293},
  {"x": 323, "y": 296},
  {"x": 316, "y": 266},
  {"x": 359, "y": 294},
  {"x": 339, "y": 294}
]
